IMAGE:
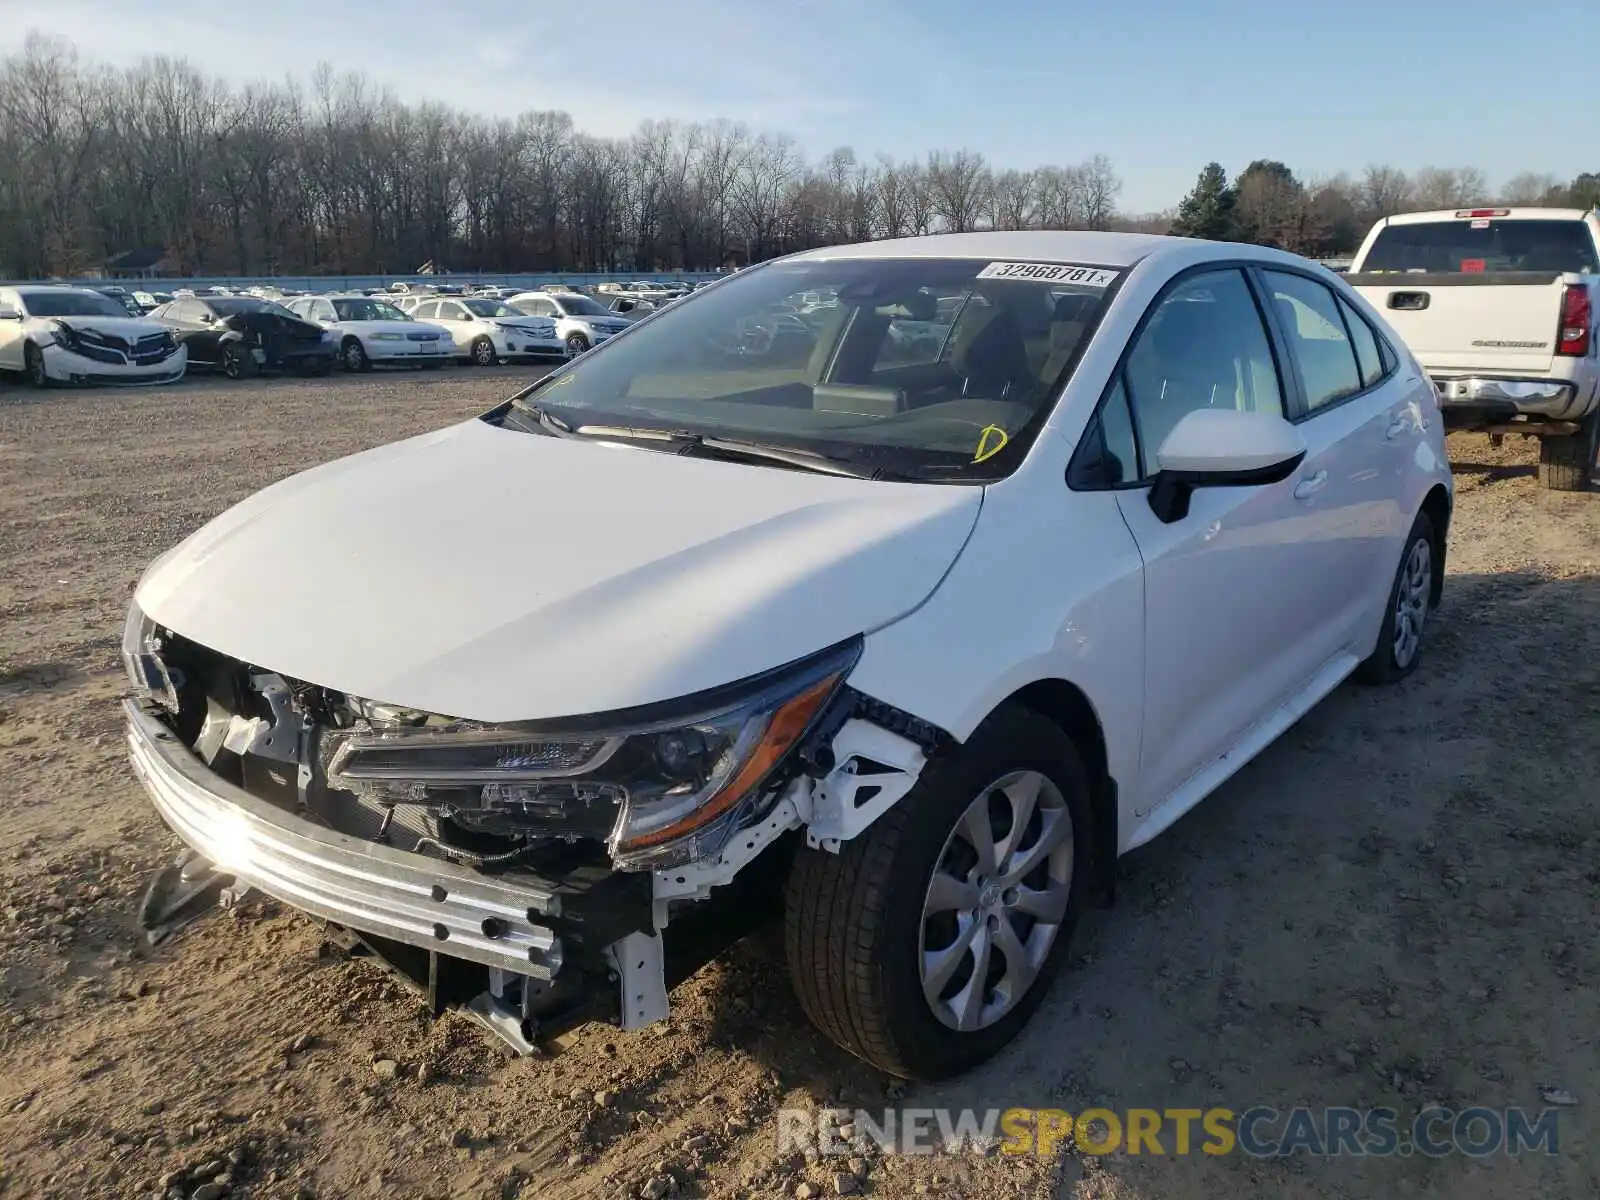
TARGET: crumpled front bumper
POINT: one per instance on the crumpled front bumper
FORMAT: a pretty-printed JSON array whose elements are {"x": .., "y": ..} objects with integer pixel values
[{"x": 410, "y": 898}]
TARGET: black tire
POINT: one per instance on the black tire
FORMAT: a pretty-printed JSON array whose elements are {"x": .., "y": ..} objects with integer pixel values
[
  {"x": 1384, "y": 665},
  {"x": 854, "y": 920},
  {"x": 483, "y": 353},
  {"x": 354, "y": 356},
  {"x": 33, "y": 365},
  {"x": 1567, "y": 464},
  {"x": 576, "y": 344},
  {"x": 236, "y": 364}
]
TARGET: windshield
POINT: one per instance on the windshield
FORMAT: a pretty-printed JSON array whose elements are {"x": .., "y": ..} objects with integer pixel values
[
  {"x": 928, "y": 368},
  {"x": 66, "y": 303},
  {"x": 367, "y": 310},
  {"x": 580, "y": 306},
  {"x": 490, "y": 308},
  {"x": 1483, "y": 244}
]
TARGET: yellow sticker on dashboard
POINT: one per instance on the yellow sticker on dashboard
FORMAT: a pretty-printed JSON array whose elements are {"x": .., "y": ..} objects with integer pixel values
[
  {"x": 991, "y": 441},
  {"x": 564, "y": 380}
]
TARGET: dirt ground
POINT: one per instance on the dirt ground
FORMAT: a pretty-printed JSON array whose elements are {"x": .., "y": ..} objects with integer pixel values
[{"x": 1394, "y": 905}]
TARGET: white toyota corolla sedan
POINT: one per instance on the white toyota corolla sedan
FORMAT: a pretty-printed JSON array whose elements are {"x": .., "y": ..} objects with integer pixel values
[
  {"x": 487, "y": 331},
  {"x": 373, "y": 332},
  {"x": 908, "y": 638}
]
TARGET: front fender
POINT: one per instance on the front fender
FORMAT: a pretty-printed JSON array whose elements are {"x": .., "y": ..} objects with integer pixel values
[{"x": 1042, "y": 591}]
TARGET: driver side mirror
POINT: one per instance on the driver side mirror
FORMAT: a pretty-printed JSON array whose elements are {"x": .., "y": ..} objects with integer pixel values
[{"x": 1222, "y": 447}]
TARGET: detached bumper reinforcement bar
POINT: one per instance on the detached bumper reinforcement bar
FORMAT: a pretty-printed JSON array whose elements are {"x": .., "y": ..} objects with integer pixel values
[{"x": 409, "y": 898}]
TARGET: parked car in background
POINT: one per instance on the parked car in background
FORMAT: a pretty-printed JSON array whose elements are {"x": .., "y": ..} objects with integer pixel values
[
  {"x": 149, "y": 300},
  {"x": 124, "y": 298},
  {"x": 731, "y": 680},
  {"x": 630, "y": 308},
  {"x": 581, "y": 322},
  {"x": 77, "y": 335},
  {"x": 487, "y": 331},
  {"x": 243, "y": 335},
  {"x": 373, "y": 332},
  {"x": 1502, "y": 308}
]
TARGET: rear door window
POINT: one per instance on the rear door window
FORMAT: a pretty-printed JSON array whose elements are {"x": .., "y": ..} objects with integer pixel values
[{"x": 1309, "y": 315}]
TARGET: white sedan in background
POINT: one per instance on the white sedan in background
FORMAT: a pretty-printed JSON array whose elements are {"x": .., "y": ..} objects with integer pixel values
[
  {"x": 77, "y": 335},
  {"x": 581, "y": 322},
  {"x": 373, "y": 331},
  {"x": 487, "y": 331}
]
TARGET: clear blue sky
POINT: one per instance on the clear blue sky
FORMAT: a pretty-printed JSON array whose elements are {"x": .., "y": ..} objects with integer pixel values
[{"x": 1160, "y": 86}]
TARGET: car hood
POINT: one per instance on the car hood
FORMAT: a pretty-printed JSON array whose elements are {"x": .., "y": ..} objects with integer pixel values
[
  {"x": 129, "y": 328},
  {"x": 546, "y": 323},
  {"x": 494, "y": 575}
]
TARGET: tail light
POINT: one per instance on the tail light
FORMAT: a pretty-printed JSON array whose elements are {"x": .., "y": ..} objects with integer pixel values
[{"x": 1577, "y": 314}]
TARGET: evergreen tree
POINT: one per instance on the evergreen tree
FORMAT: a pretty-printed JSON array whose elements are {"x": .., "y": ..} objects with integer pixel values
[{"x": 1207, "y": 211}]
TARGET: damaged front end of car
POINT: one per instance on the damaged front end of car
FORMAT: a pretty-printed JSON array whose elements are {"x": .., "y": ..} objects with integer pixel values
[{"x": 525, "y": 874}]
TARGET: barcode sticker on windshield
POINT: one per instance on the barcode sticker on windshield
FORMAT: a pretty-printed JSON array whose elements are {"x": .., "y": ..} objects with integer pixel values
[{"x": 1097, "y": 277}]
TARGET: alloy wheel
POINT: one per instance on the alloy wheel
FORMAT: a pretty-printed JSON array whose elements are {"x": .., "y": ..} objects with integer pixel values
[
  {"x": 1411, "y": 602},
  {"x": 996, "y": 901}
]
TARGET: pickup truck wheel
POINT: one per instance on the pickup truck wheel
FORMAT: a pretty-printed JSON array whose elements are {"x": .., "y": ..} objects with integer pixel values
[
  {"x": 1399, "y": 646},
  {"x": 1566, "y": 464},
  {"x": 926, "y": 943}
]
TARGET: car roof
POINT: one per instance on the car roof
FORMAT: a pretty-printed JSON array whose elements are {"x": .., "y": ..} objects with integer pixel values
[
  {"x": 1502, "y": 213},
  {"x": 1085, "y": 246},
  {"x": 57, "y": 289}
]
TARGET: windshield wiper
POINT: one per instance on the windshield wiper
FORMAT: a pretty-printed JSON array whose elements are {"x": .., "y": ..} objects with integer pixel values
[
  {"x": 548, "y": 422},
  {"x": 697, "y": 443}
]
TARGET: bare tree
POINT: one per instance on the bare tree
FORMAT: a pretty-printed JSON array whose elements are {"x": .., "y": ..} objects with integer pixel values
[
  {"x": 960, "y": 185},
  {"x": 1098, "y": 189},
  {"x": 1013, "y": 199},
  {"x": 1384, "y": 191},
  {"x": 1530, "y": 188},
  {"x": 333, "y": 173}
]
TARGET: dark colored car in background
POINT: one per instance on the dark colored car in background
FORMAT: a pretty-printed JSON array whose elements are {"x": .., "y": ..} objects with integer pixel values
[{"x": 241, "y": 335}]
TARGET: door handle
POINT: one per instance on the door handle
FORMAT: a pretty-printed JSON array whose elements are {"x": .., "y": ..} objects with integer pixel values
[{"x": 1311, "y": 485}]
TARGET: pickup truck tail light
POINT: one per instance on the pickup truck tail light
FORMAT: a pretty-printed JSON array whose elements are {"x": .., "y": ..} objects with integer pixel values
[{"x": 1577, "y": 315}]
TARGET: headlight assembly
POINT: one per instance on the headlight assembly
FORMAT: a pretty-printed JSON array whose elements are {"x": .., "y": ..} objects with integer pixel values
[
  {"x": 141, "y": 657},
  {"x": 663, "y": 785}
]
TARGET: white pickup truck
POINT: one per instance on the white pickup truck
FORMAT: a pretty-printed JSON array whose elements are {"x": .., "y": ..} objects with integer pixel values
[{"x": 1500, "y": 305}]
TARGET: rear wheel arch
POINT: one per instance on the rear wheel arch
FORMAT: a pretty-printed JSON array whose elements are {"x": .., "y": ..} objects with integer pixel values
[{"x": 1437, "y": 505}]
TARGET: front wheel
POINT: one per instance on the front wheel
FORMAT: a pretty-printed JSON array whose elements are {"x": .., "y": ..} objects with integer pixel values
[
  {"x": 483, "y": 354},
  {"x": 354, "y": 356},
  {"x": 1399, "y": 648},
  {"x": 576, "y": 344},
  {"x": 1567, "y": 464},
  {"x": 926, "y": 943},
  {"x": 33, "y": 363}
]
